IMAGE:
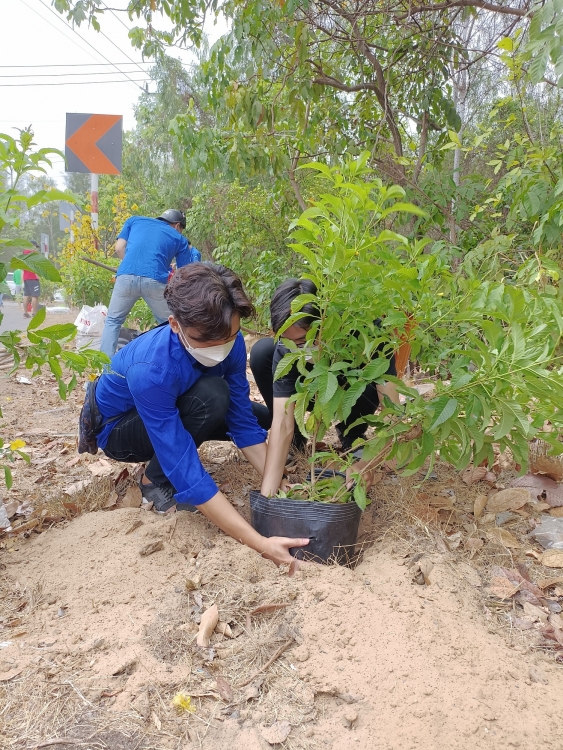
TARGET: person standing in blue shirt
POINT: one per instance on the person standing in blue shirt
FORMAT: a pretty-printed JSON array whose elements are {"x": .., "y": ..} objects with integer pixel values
[
  {"x": 146, "y": 247},
  {"x": 175, "y": 387}
]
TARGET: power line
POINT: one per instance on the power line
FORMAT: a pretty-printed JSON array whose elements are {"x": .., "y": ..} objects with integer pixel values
[
  {"x": 64, "y": 75},
  {"x": 75, "y": 65},
  {"x": 92, "y": 46},
  {"x": 80, "y": 83},
  {"x": 115, "y": 45},
  {"x": 52, "y": 25}
]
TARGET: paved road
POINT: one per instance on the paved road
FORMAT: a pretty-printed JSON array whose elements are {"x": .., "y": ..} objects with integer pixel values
[
  {"x": 13, "y": 317},
  {"x": 14, "y": 320}
]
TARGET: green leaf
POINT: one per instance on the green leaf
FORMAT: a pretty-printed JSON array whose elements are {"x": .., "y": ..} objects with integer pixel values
[
  {"x": 445, "y": 408},
  {"x": 328, "y": 383},
  {"x": 36, "y": 263},
  {"x": 352, "y": 394},
  {"x": 37, "y": 319},
  {"x": 375, "y": 369},
  {"x": 506, "y": 43},
  {"x": 59, "y": 331},
  {"x": 360, "y": 496},
  {"x": 285, "y": 364},
  {"x": 8, "y": 477}
]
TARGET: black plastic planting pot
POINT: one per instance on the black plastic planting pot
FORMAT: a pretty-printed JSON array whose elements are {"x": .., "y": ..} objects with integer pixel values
[{"x": 332, "y": 528}]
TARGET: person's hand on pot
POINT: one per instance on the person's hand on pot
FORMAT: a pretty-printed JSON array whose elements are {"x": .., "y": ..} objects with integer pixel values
[
  {"x": 366, "y": 476},
  {"x": 276, "y": 549}
]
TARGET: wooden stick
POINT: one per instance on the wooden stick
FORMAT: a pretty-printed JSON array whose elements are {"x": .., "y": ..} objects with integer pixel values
[
  {"x": 269, "y": 663},
  {"x": 97, "y": 263}
]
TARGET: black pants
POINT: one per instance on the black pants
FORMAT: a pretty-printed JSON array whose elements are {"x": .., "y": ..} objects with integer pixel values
[
  {"x": 261, "y": 358},
  {"x": 202, "y": 411}
]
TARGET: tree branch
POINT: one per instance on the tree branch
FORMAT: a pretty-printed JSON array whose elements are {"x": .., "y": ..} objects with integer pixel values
[
  {"x": 422, "y": 147},
  {"x": 503, "y": 9}
]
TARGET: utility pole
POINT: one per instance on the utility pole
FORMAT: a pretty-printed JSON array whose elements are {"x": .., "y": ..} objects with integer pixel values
[{"x": 94, "y": 204}]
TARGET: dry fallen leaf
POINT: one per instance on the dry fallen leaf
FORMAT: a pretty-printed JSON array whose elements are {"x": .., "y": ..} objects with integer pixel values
[
  {"x": 151, "y": 547},
  {"x": 504, "y": 537},
  {"x": 453, "y": 540},
  {"x": 502, "y": 588},
  {"x": 555, "y": 512},
  {"x": 540, "y": 486},
  {"x": 101, "y": 468},
  {"x": 552, "y": 558},
  {"x": 471, "y": 475},
  {"x": 224, "y": 689},
  {"x": 555, "y": 620},
  {"x": 207, "y": 625},
  {"x": 252, "y": 691},
  {"x": 156, "y": 721},
  {"x": 479, "y": 505},
  {"x": 132, "y": 498},
  {"x": 425, "y": 566},
  {"x": 550, "y": 467},
  {"x": 511, "y": 499},
  {"x": 111, "y": 501},
  {"x": 546, "y": 583},
  {"x": 473, "y": 545},
  {"x": 224, "y": 629},
  {"x": 277, "y": 733},
  {"x": 72, "y": 489},
  {"x": 537, "y": 614},
  {"x": 7, "y": 676}
]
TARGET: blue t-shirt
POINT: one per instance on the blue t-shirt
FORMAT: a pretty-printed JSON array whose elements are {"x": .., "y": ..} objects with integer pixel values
[
  {"x": 151, "y": 246},
  {"x": 150, "y": 374}
]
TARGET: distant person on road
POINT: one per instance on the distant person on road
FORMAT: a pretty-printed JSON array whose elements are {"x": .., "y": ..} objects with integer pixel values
[
  {"x": 31, "y": 286},
  {"x": 18, "y": 281},
  {"x": 146, "y": 247}
]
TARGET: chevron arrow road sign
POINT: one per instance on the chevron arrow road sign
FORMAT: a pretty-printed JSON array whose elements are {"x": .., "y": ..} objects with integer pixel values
[{"x": 93, "y": 143}]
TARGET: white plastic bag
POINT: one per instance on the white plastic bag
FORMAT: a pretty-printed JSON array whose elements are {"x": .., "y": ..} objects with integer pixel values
[{"x": 90, "y": 324}]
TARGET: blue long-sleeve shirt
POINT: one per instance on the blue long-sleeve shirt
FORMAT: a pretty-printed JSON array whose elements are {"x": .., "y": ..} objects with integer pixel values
[
  {"x": 151, "y": 246},
  {"x": 150, "y": 374}
]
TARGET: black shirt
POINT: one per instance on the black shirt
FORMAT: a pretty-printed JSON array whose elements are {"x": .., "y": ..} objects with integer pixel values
[{"x": 285, "y": 386}]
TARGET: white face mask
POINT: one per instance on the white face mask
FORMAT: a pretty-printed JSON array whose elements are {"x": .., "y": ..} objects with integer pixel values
[
  {"x": 310, "y": 349},
  {"x": 208, "y": 356}
]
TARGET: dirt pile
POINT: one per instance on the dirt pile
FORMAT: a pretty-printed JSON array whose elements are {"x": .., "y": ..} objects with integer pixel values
[{"x": 366, "y": 658}]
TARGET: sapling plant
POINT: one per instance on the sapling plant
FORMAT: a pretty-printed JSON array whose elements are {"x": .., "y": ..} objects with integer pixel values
[
  {"x": 493, "y": 346},
  {"x": 37, "y": 347}
]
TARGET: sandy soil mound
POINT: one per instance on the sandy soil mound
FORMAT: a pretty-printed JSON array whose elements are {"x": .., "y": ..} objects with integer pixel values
[{"x": 366, "y": 658}]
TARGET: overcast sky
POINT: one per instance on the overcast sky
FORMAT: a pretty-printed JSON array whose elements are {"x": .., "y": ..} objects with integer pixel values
[{"x": 38, "y": 48}]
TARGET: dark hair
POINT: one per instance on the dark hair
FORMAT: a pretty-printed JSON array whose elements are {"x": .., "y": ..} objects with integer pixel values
[
  {"x": 204, "y": 296},
  {"x": 280, "y": 306}
]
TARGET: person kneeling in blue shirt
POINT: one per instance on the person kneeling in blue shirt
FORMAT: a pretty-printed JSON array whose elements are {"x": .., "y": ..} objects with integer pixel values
[{"x": 180, "y": 384}]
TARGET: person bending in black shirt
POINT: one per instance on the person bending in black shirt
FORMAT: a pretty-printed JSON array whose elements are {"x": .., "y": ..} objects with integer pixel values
[{"x": 264, "y": 359}]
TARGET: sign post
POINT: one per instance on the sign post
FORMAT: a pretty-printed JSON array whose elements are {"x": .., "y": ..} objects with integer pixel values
[
  {"x": 93, "y": 144},
  {"x": 44, "y": 247}
]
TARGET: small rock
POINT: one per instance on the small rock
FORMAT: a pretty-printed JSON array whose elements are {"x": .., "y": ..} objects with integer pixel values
[
  {"x": 193, "y": 583},
  {"x": 309, "y": 732},
  {"x": 277, "y": 733},
  {"x": 348, "y": 698},
  {"x": 126, "y": 667},
  {"x": 301, "y": 654},
  {"x": 536, "y": 675},
  {"x": 349, "y": 717}
]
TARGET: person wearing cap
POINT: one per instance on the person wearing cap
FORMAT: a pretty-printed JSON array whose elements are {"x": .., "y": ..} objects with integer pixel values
[{"x": 146, "y": 247}]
